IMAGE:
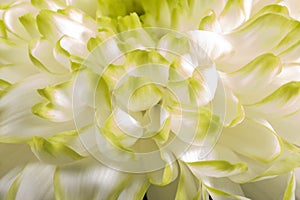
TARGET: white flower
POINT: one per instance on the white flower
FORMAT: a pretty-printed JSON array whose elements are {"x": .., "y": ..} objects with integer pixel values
[{"x": 176, "y": 99}]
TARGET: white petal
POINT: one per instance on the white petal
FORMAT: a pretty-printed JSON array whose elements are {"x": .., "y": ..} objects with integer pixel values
[
  {"x": 34, "y": 176},
  {"x": 54, "y": 25},
  {"x": 252, "y": 139},
  {"x": 234, "y": 14},
  {"x": 12, "y": 19},
  {"x": 262, "y": 189},
  {"x": 284, "y": 101},
  {"x": 256, "y": 38},
  {"x": 188, "y": 186},
  {"x": 293, "y": 6},
  {"x": 19, "y": 123},
  {"x": 89, "y": 179},
  {"x": 135, "y": 189},
  {"x": 260, "y": 71},
  {"x": 225, "y": 185},
  {"x": 42, "y": 54},
  {"x": 214, "y": 45}
]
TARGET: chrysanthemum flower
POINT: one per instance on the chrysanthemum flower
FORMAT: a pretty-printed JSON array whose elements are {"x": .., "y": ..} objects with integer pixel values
[{"x": 114, "y": 99}]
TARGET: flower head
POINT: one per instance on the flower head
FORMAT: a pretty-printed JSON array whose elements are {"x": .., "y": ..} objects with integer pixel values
[{"x": 176, "y": 99}]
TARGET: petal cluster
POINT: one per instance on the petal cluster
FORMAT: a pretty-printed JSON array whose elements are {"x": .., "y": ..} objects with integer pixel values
[{"x": 183, "y": 99}]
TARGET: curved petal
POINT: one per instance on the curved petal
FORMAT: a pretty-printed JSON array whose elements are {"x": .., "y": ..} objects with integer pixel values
[
  {"x": 54, "y": 25},
  {"x": 188, "y": 186},
  {"x": 19, "y": 123},
  {"x": 260, "y": 71},
  {"x": 216, "y": 168},
  {"x": 261, "y": 189},
  {"x": 234, "y": 14},
  {"x": 92, "y": 180},
  {"x": 57, "y": 108},
  {"x": 164, "y": 176},
  {"x": 223, "y": 188},
  {"x": 41, "y": 54},
  {"x": 136, "y": 188},
  {"x": 243, "y": 140},
  {"x": 256, "y": 38},
  {"x": 233, "y": 108},
  {"x": 293, "y": 6},
  {"x": 284, "y": 101},
  {"x": 122, "y": 129},
  {"x": 215, "y": 45},
  {"x": 53, "y": 152},
  {"x": 33, "y": 176},
  {"x": 15, "y": 20},
  {"x": 131, "y": 94}
]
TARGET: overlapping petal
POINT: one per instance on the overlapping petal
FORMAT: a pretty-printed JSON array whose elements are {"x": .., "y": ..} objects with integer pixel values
[{"x": 232, "y": 68}]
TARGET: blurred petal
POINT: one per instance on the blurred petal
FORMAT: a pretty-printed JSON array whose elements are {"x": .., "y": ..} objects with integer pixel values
[
  {"x": 33, "y": 176},
  {"x": 92, "y": 180}
]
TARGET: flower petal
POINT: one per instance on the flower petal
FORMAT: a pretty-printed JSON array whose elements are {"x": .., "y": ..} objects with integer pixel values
[
  {"x": 53, "y": 152},
  {"x": 234, "y": 14},
  {"x": 223, "y": 188},
  {"x": 256, "y": 34},
  {"x": 19, "y": 122},
  {"x": 216, "y": 168},
  {"x": 53, "y": 25},
  {"x": 285, "y": 100},
  {"x": 261, "y": 189},
  {"x": 188, "y": 186},
  {"x": 89, "y": 179},
  {"x": 214, "y": 45},
  {"x": 260, "y": 71},
  {"x": 243, "y": 140},
  {"x": 33, "y": 176}
]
